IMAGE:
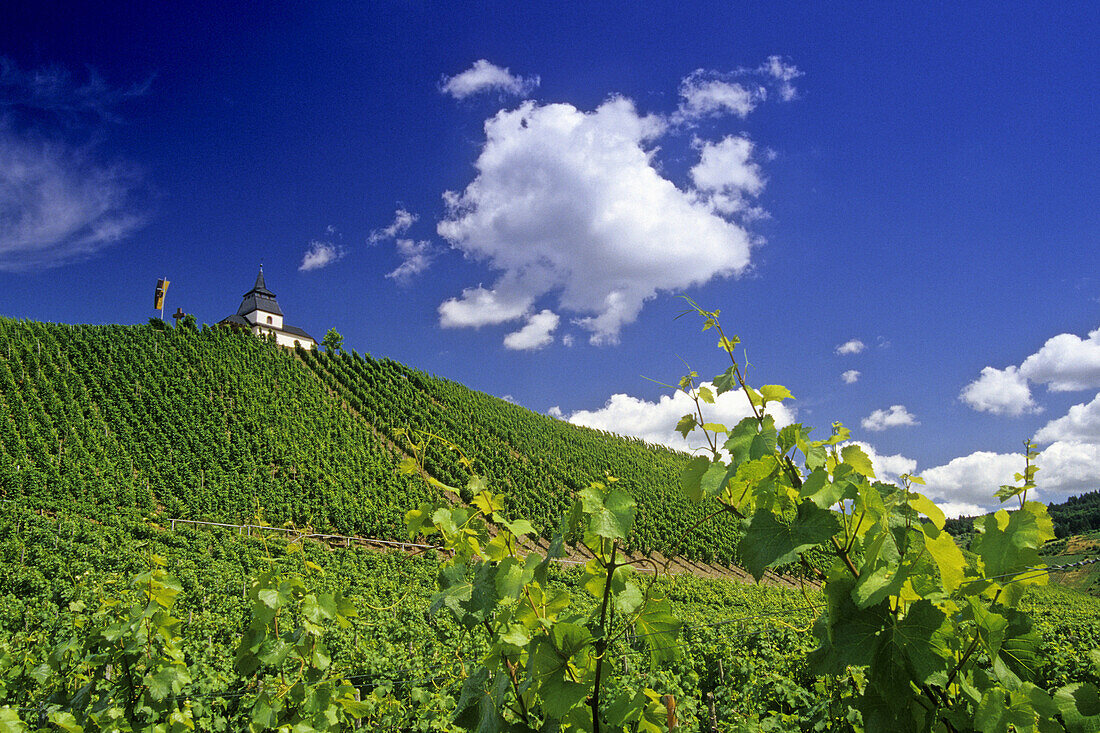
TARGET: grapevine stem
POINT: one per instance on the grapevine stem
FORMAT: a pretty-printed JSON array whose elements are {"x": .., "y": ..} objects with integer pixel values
[
  {"x": 512, "y": 676},
  {"x": 601, "y": 643},
  {"x": 844, "y": 556},
  {"x": 711, "y": 441}
]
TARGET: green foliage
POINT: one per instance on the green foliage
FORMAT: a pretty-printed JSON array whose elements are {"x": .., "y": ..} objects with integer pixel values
[
  {"x": 542, "y": 461},
  {"x": 333, "y": 342},
  {"x": 943, "y": 642},
  {"x": 120, "y": 666},
  {"x": 1076, "y": 514},
  {"x": 208, "y": 425},
  {"x": 746, "y": 644},
  {"x": 103, "y": 430},
  {"x": 547, "y": 663}
]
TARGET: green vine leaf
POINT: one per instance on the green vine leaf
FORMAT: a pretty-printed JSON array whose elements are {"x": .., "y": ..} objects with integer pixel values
[{"x": 770, "y": 541}]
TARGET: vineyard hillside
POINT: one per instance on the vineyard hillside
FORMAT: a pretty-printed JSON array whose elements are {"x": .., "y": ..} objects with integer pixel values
[
  {"x": 111, "y": 606},
  {"x": 218, "y": 426}
]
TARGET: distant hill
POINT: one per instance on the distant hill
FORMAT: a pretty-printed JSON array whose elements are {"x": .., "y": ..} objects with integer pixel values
[
  {"x": 1075, "y": 515},
  {"x": 222, "y": 426}
]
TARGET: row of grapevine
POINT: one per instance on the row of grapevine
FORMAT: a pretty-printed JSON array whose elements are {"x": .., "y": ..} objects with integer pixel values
[
  {"x": 200, "y": 424},
  {"x": 541, "y": 461},
  {"x": 744, "y": 644}
]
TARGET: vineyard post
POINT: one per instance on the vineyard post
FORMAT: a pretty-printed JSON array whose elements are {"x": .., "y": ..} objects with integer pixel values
[
  {"x": 721, "y": 671},
  {"x": 713, "y": 717},
  {"x": 670, "y": 707}
]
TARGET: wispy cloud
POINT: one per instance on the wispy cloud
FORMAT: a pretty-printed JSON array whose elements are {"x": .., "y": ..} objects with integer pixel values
[
  {"x": 402, "y": 220},
  {"x": 711, "y": 93},
  {"x": 783, "y": 73},
  {"x": 61, "y": 200},
  {"x": 850, "y": 377},
  {"x": 60, "y": 203},
  {"x": 486, "y": 77},
  {"x": 53, "y": 89},
  {"x": 322, "y": 252},
  {"x": 416, "y": 255}
]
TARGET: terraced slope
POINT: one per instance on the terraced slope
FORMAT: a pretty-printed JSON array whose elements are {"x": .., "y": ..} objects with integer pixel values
[
  {"x": 541, "y": 460},
  {"x": 221, "y": 426},
  {"x": 205, "y": 425}
]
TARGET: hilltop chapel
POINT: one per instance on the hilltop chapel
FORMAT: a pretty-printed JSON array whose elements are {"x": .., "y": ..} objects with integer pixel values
[{"x": 261, "y": 314}]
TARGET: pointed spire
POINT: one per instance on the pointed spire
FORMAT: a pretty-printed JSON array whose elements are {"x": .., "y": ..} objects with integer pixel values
[{"x": 260, "y": 288}]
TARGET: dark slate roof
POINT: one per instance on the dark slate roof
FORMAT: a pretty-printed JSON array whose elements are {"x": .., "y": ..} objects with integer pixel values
[
  {"x": 236, "y": 320},
  {"x": 259, "y": 298},
  {"x": 254, "y": 301},
  {"x": 260, "y": 287},
  {"x": 295, "y": 331}
]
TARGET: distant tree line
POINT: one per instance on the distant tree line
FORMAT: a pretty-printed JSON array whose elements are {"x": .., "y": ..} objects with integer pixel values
[{"x": 1075, "y": 515}]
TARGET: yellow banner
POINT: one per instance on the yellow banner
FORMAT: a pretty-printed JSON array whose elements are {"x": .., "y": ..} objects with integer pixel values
[{"x": 158, "y": 296}]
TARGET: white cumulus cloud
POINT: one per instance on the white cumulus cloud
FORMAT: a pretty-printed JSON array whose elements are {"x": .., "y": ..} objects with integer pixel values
[
  {"x": 706, "y": 93},
  {"x": 850, "y": 377},
  {"x": 1065, "y": 363},
  {"x": 853, "y": 346},
  {"x": 537, "y": 333},
  {"x": 727, "y": 174},
  {"x": 1081, "y": 423},
  {"x": 571, "y": 202},
  {"x": 319, "y": 254},
  {"x": 896, "y": 416},
  {"x": 655, "y": 422},
  {"x": 1001, "y": 392},
  {"x": 960, "y": 508},
  {"x": 481, "y": 307},
  {"x": 1066, "y": 468},
  {"x": 973, "y": 478},
  {"x": 486, "y": 77}
]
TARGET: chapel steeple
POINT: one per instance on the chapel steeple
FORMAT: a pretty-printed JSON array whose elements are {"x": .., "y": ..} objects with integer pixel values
[
  {"x": 260, "y": 313},
  {"x": 259, "y": 298},
  {"x": 260, "y": 286}
]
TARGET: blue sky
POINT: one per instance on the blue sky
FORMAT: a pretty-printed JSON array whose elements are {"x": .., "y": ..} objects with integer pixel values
[{"x": 512, "y": 195}]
